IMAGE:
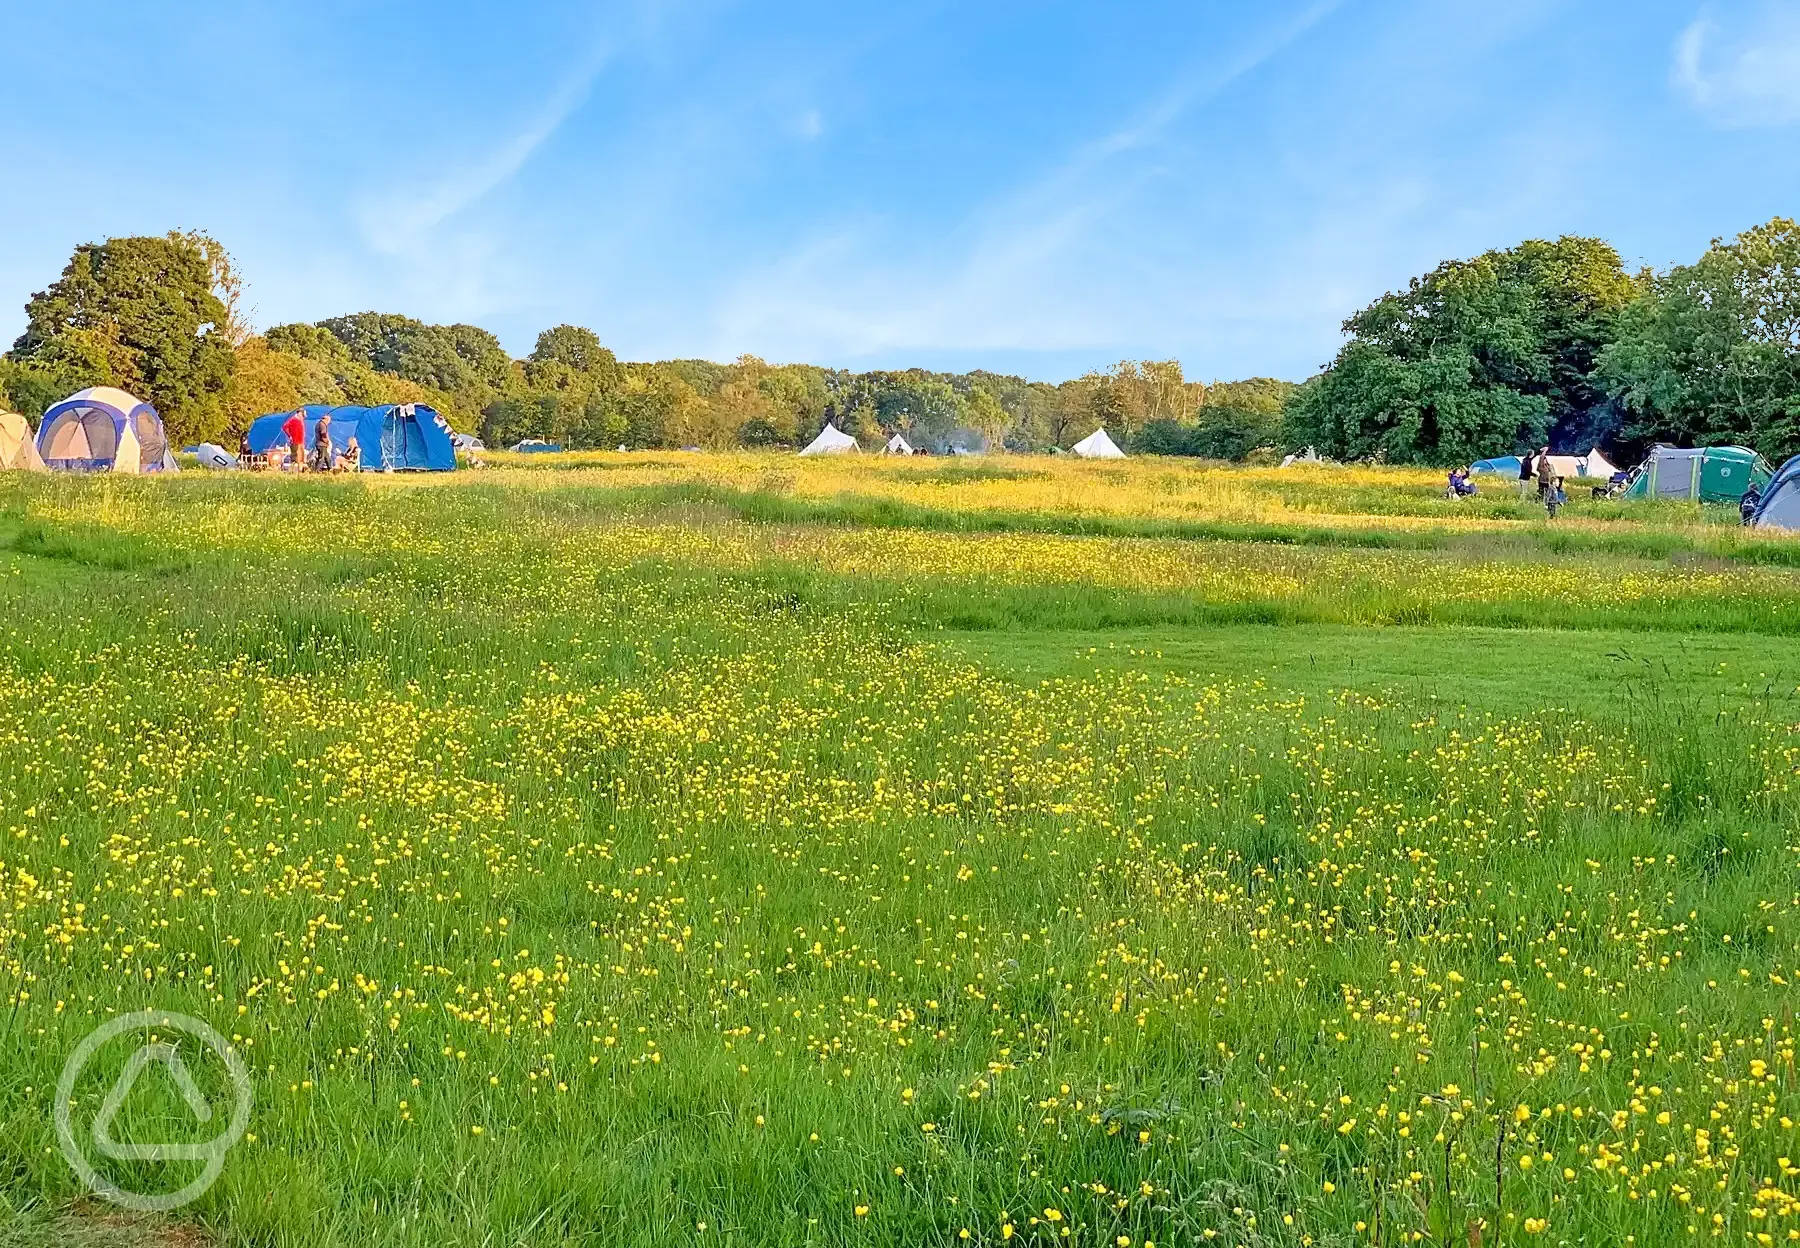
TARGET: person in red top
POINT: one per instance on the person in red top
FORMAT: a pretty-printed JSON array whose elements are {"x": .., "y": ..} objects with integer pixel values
[{"x": 294, "y": 429}]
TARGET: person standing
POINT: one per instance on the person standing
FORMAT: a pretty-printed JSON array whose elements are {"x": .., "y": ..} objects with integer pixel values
[
  {"x": 324, "y": 454},
  {"x": 1526, "y": 472},
  {"x": 294, "y": 429},
  {"x": 1546, "y": 476}
]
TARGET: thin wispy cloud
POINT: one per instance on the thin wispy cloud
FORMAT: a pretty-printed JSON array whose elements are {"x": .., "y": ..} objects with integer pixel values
[
  {"x": 395, "y": 220},
  {"x": 999, "y": 280},
  {"x": 1742, "y": 68}
]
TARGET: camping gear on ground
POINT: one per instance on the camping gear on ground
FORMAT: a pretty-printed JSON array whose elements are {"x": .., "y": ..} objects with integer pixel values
[
  {"x": 1098, "y": 446},
  {"x": 1503, "y": 465},
  {"x": 1711, "y": 474},
  {"x": 212, "y": 455},
  {"x": 897, "y": 445},
  {"x": 1780, "y": 506},
  {"x": 104, "y": 429},
  {"x": 831, "y": 441},
  {"x": 18, "y": 446},
  {"x": 395, "y": 437}
]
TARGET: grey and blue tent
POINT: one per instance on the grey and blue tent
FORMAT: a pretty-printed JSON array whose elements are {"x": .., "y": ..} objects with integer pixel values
[
  {"x": 1780, "y": 506},
  {"x": 395, "y": 437}
]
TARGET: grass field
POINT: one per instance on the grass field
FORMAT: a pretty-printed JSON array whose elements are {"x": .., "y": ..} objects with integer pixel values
[{"x": 745, "y": 850}]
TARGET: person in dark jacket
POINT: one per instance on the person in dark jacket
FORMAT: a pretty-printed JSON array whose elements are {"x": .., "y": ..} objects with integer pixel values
[{"x": 1748, "y": 504}]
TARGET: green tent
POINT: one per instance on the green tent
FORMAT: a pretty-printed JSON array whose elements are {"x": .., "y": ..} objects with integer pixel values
[{"x": 1711, "y": 474}]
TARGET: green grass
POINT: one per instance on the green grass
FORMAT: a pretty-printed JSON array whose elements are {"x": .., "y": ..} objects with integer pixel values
[{"x": 600, "y": 866}]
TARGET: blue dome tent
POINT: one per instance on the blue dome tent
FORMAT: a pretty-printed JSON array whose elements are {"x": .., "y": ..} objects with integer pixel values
[
  {"x": 103, "y": 429},
  {"x": 1503, "y": 465},
  {"x": 1780, "y": 506},
  {"x": 395, "y": 437}
]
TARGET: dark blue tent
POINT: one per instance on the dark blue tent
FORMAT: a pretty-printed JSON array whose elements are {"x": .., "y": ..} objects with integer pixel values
[
  {"x": 1504, "y": 465},
  {"x": 1780, "y": 506},
  {"x": 399, "y": 437}
]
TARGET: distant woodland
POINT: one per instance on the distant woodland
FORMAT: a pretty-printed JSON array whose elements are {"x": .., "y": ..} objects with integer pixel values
[{"x": 1548, "y": 341}]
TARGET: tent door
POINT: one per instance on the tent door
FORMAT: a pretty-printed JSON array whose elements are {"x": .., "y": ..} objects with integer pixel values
[{"x": 1675, "y": 477}]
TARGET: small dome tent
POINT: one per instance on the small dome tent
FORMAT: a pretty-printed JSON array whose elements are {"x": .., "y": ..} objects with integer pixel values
[
  {"x": 1711, "y": 474},
  {"x": 18, "y": 449},
  {"x": 831, "y": 441},
  {"x": 1780, "y": 506},
  {"x": 104, "y": 429},
  {"x": 395, "y": 437},
  {"x": 1098, "y": 446}
]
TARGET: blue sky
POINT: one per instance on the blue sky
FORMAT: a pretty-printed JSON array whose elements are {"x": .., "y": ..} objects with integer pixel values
[{"x": 1041, "y": 187}]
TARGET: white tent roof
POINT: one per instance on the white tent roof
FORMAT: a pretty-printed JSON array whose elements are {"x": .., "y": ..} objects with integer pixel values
[
  {"x": 1599, "y": 465},
  {"x": 1098, "y": 446},
  {"x": 831, "y": 441},
  {"x": 1593, "y": 465},
  {"x": 898, "y": 445},
  {"x": 112, "y": 396}
]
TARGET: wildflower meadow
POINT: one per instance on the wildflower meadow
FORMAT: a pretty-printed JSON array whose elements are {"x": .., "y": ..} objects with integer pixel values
[{"x": 733, "y": 849}]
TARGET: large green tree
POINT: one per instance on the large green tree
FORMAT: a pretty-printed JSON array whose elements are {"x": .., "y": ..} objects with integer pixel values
[
  {"x": 1474, "y": 358},
  {"x": 1711, "y": 352},
  {"x": 143, "y": 314}
]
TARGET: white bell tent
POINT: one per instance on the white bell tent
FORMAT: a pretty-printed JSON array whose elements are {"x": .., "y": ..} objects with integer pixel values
[
  {"x": 1098, "y": 446},
  {"x": 897, "y": 445},
  {"x": 831, "y": 441}
]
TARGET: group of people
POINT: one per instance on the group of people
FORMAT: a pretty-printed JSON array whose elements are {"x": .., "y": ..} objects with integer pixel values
[
  {"x": 1534, "y": 466},
  {"x": 1537, "y": 467},
  {"x": 325, "y": 455}
]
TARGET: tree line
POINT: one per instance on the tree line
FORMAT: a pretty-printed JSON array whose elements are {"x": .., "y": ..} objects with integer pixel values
[
  {"x": 1554, "y": 342},
  {"x": 1544, "y": 342}
]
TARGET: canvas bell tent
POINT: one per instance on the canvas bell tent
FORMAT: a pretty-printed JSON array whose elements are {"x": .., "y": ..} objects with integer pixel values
[
  {"x": 18, "y": 448},
  {"x": 1780, "y": 506},
  {"x": 1710, "y": 474},
  {"x": 395, "y": 437},
  {"x": 1098, "y": 446},
  {"x": 831, "y": 441},
  {"x": 1592, "y": 466},
  {"x": 103, "y": 429},
  {"x": 897, "y": 445}
]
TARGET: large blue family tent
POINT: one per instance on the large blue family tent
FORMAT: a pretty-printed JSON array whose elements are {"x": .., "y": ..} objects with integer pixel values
[
  {"x": 1780, "y": 506},
  {"x": 395, "y": 437},
  {"x": 1503, "y": 465}
]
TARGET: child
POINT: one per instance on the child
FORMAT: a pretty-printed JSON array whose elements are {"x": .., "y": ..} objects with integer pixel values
[{"x": 1555, "y": 497}]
